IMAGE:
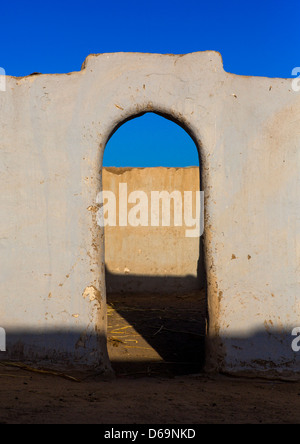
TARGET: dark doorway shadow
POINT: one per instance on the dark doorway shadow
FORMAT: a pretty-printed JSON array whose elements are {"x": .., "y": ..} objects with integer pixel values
[{"x": 157, "y": 333}]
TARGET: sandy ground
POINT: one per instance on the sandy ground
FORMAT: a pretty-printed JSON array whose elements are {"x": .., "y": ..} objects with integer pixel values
[
  {"x": 157, "y": 355},
  {"x": 33, "y": 398}
]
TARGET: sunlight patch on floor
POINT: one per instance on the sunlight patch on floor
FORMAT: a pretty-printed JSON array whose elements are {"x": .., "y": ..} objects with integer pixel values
[{"x": 124, "y": 342}]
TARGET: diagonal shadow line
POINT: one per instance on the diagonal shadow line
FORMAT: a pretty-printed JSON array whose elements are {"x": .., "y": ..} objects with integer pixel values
[{"x": 171, "y": 322}]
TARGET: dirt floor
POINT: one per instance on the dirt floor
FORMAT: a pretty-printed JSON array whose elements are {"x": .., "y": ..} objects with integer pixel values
[
  {"x": 157, "y": 355},
  {"x": 155, "y": 334},
  {"x": 30, "y": 398}
]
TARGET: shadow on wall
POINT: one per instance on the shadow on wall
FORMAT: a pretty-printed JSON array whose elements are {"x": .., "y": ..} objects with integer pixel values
[
  {"x": 260, "y": 352},
  {"x": 57, "y": 349},
  {"x": 121, "y": 283},
  {"x": 125, "y": 283}
]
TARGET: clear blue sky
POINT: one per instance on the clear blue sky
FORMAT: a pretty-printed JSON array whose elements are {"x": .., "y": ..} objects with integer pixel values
[{"x": 254, "y": 37}]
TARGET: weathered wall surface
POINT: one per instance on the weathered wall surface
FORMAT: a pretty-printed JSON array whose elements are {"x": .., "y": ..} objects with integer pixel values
[
  {"x": 153, "y": 258},
  {"x": 53, "y": 131}
]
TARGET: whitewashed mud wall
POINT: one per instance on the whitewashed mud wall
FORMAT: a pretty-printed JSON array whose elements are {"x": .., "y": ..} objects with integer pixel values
[{"x": 53, "y": 131}]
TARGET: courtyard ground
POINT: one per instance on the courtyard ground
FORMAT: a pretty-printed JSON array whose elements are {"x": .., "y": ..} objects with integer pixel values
[
  {"x": 156, "y": 346},
  {"x": 27, "y": 397}
]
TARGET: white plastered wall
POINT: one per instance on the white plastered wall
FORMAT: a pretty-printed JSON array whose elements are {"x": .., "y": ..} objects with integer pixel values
[{"x": 53, "y": 133}]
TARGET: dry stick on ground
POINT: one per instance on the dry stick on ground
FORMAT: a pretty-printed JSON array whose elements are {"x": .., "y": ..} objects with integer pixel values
[
  {"x": 158, "y": 331},
  {"x": 36, "y": 370},
  {"x": 178, "y": 331}
]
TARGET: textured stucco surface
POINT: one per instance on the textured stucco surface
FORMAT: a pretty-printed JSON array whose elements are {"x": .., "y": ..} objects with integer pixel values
[{"x": 53, "y": 132}]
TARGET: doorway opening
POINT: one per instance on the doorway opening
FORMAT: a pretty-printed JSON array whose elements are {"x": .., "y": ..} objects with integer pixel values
[{"x": 155, "y": 273}]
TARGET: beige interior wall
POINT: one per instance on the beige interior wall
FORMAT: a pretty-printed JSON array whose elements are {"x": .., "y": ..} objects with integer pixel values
[{"x": 150, "y": 258}]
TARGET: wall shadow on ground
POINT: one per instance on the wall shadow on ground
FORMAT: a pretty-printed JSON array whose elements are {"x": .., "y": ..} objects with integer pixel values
[
  {"x": 165, "y": 332},
  {"x": 166, "y": 313}
]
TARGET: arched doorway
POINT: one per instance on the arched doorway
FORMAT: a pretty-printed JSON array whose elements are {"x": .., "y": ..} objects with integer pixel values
[{"x": 155, "y": 274}]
